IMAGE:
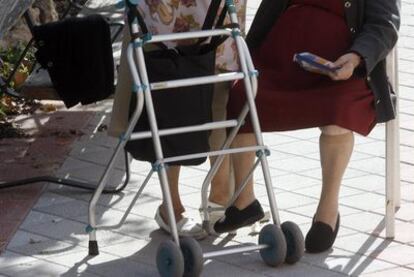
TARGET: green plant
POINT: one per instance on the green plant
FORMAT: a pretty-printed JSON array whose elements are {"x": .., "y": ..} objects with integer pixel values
[
  {"x": 2, "y": 112},
  {"x": 8, "y": 58}
]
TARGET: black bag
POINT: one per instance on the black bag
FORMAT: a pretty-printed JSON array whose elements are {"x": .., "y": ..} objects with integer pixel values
[
  {"x": 77, "y": 52},
  {"x": 183, "y": 106}
]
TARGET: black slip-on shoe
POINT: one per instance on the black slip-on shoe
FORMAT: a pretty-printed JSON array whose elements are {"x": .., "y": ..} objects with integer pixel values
[
  {"x": 234, "y": 218},
  {"x": 321, "y": 237}
]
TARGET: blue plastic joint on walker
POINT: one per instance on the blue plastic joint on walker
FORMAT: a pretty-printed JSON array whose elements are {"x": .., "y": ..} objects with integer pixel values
[
  {"x": 235, "y": 33},
  {"x": 262, "y": 152},
  {"x": 137, "y": 44},
  {"x": 133, "y": 2},
  {"x": 156, "y": 167},
  {"x": 89, "y": 229},
  {"x": 253, "y": 73},
  {"x": 135, "y": 88},
  {"x": 122, "y": 137},
  {"x": 144, "y": 87},
  {"x": 146, "y": 37},
  {"x": 230, "y": 6}
]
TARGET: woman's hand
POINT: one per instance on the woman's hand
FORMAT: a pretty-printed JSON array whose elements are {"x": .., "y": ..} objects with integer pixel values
[{"x": 346, "y": 64}]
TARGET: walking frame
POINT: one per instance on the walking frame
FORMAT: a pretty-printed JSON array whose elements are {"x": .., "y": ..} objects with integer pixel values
[{"x": 274, "y": 245}]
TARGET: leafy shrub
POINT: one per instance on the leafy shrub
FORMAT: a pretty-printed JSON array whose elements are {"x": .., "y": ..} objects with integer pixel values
[{"x": 8, "y": 58}]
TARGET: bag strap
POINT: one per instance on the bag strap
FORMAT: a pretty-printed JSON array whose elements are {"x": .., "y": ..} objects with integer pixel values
[
  {"x": 211, "y": 17},
  {"x": 211, "y": 14},
  {"x": 217, "y": 40},
  {"x": 133, "y": 13}
]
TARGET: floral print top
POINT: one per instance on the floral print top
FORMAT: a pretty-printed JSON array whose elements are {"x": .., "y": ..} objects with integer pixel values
[{"x": 172, "y": 16}]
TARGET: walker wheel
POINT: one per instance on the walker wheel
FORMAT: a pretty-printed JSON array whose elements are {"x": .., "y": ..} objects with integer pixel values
[
  {"x": 295, "y": 242},
  {"x": 193, "y": 257},
  {"x": 170, "y": 261},
  {"x": 273, "y": 236}
]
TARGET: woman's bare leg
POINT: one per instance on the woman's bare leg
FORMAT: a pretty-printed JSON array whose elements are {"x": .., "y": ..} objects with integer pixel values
[
  {"x": 243, "y": 162},
  {"x": 246, "y": 209},
  {"x": 173, "y": 173},
  {"x": 222, "y": 183},
  {"x": 336, "y": 146}
]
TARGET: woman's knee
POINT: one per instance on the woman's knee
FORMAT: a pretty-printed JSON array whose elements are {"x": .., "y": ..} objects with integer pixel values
[{"x": 334, "y": 130}]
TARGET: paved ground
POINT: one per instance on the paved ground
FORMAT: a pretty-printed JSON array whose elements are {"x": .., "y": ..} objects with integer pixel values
[
  {"x": 49, "y": 140},
  {"x": 52, "y": 240}
]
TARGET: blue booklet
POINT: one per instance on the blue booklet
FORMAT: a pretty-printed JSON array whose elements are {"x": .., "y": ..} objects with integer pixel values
[{"x": 314, "y": 63}]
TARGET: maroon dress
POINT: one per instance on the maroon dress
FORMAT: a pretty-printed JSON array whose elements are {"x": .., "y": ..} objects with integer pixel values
[{"x": 291, "y": 98}]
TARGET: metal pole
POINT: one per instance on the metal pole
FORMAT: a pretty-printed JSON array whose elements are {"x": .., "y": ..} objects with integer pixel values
[
  {"x": 397, "y": 173},
  {"x": 256, "y": 127},
  {"x": 162, "y": 173},
  {"x": 241, "y": 249},
  {"x": 392, "y": 174},
  {"x": 93, "y": 248}
]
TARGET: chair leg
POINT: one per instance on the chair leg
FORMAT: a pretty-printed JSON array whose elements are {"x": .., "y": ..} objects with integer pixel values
[
  {"x": 396, "y": 84},
  {"x": 390, "y": 184},
  {"x": 393, "y": 188},
  {"x": 396, "y": 164}
]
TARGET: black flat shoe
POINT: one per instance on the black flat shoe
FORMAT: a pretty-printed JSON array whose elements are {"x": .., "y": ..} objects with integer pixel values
[
  {"x": 321, "y": 237},
  {"x": 234, "y": 218}
]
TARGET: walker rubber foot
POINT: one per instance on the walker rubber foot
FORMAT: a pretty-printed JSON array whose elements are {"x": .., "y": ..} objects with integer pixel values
[{"x": 93, "y": 248}]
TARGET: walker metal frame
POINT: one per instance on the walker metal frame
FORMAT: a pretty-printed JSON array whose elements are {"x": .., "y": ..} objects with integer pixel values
[{"x": 143, "y": 88}]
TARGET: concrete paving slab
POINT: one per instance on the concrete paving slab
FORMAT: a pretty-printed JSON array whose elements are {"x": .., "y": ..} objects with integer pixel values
[
  {"x": 364, "y": 201},
  {"x": 290, "y": 182},
  {"x": 364, "y": 222},
  {"x": 301, "y": 270},
  {"x": 349, "y": 173},
  {"x": 310, "y": 209},
  {"x": 399, "y": 255},
  {"x": 401, "y": 272},
  {"x": 9, "y": 258},
  {"x": 367, "y": 183},
  {"x": 295, "y": 164},
  {"x": 37, "y": 246},
  {"x": 315, "y": 191},
  {"x": 41, "y": 268},
  {"x": 345, "y": 262},
  {"x": 404, "y": 213},
  {"x": 288, "y": 200},
  {"x": 403, "y": 232},
  {"x": 364, "y": 244}
]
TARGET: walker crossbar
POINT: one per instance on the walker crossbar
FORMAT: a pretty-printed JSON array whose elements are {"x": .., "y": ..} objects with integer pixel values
[
  {"x": 225, "y": 77},
  {"x": 234, "y": 250},
  {"x": 182, "y": 130},
  {"x": 213, "y": 153},
  {"x": 190, "y": 35}
]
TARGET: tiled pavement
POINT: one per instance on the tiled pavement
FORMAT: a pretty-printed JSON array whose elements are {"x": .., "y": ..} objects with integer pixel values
[
  {"x": 42, "y": 152},
  {"x": 52, "y": 240}
]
